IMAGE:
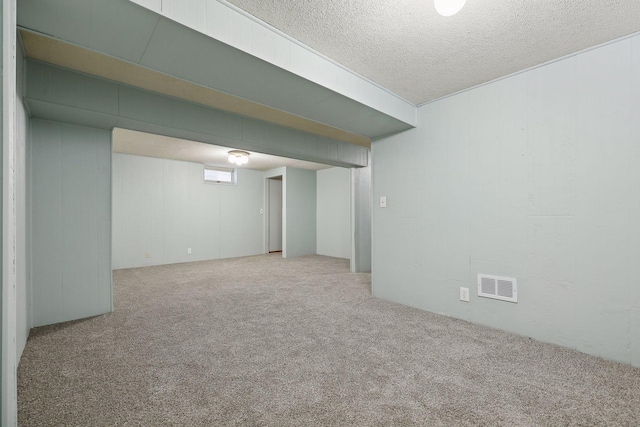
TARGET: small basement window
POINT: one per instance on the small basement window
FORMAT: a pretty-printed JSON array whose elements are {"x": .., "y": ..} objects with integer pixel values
[{"x": 220, "y": 175}]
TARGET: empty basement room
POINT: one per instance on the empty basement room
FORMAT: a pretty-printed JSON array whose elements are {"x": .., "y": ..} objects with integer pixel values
[{"x": 286, "y": 213}]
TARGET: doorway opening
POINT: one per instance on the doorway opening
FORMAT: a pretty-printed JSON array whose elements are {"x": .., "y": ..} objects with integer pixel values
[{"x": 274, "y": 214}]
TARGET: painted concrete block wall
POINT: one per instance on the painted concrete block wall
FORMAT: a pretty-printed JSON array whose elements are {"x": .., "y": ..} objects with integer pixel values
[
  {"x": 534, "y": 177},
  {"x": 361, "y": 190},
  {"x": 164, "y": 207},
  {"x": 71, "y": 222},
  {"x": 9, "y": 184},
  {"x": 333, "y": 228},
  {"x": 300, "y": 206},
  {"x": 23, "y": 286},
  {"x": 8, "y": 369}
]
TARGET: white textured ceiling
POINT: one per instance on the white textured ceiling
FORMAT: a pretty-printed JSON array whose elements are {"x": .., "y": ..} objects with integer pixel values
[
  {"x": 146, "y": 144},
  {"x": 406, "y": 47}
]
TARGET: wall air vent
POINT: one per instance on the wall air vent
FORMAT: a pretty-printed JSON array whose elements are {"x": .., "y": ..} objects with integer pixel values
[{"x": 502, "y": 288}]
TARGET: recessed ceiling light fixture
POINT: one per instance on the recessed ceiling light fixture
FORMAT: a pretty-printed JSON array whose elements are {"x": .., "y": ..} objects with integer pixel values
[
  {"x": 449, "y": 7},
  {"x": 239, "y": 157}
]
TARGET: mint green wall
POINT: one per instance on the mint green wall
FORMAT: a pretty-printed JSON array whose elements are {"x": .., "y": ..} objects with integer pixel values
[
  {"x": 361, "y": 220},
  {"x": 536, "y": 177},
  {"x": 164, "y": 207},
  {"x": 8, "y": 390},
  {"x": 10, "y": 172},
  {"x": 71, "y": 221},
  {"x": 334, "y": 212},
  {"x": 23, "y": 286},
  {"x": 300, "y": 205}
]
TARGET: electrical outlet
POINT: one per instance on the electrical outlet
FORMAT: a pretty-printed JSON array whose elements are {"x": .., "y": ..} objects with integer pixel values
[
  {"x": 261, "y": 211},
  {"x": 189, "y": 251},
  {"x": 464, "y": 294},
  {"x": 148, "y": 254}
]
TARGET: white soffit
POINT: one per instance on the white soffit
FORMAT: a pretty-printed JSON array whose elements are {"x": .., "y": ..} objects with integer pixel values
[
  {"x": 178, "y": 47},
  {"x": 223, "y": 21},
  {"x": 53, "y": 51},
  {"x": 145, "y": 144},
  {"x": 406, "y": 47}
]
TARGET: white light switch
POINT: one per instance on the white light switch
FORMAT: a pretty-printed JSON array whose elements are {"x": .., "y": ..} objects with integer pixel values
[
  {"x": 188, "y": 251},
  {"x": 464, "y": 294},
  {"x": 383, "y": 201}
]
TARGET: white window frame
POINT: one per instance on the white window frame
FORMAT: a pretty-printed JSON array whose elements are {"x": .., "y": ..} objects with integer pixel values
[{"x": 233, "y": 171}]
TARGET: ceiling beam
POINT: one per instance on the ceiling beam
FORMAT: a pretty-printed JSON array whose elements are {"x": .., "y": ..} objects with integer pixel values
[{"x": 54, "y": 51}]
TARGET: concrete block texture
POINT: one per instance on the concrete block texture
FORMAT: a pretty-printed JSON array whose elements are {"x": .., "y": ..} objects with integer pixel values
[{"x": 534, "y": 177}]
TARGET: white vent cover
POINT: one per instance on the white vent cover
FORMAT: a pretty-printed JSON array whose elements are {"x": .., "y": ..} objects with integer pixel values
[{"x": 502, "y": 288}]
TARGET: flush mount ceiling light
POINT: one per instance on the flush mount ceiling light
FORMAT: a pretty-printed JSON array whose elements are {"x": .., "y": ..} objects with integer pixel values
[
  {"x": 239, "y": 157},
  {"x": 449, "y": 7}
]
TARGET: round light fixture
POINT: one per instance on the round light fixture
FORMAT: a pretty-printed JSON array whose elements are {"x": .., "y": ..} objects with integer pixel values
[
  {"x": 449, "y": 7},
  {"x": 239, "y": 157}
]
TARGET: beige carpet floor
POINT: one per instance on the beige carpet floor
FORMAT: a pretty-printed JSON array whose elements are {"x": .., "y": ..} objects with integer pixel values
[{"x": 266, "y": 341}]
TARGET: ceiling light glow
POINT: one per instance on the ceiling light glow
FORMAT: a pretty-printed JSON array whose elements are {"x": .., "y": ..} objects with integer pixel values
[
  {"x": 449, "y": 7},
  {"x": 238, "y": 157}
]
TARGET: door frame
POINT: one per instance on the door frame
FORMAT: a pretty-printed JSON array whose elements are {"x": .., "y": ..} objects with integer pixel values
[
  {"x": 268, "y": 214},
  {"x": 274, "y": 174}
]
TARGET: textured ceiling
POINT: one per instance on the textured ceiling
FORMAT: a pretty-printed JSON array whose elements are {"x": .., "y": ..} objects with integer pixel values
[
  {"x": 146, "y": 144},
  {"x": 406, "y": 47}
]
